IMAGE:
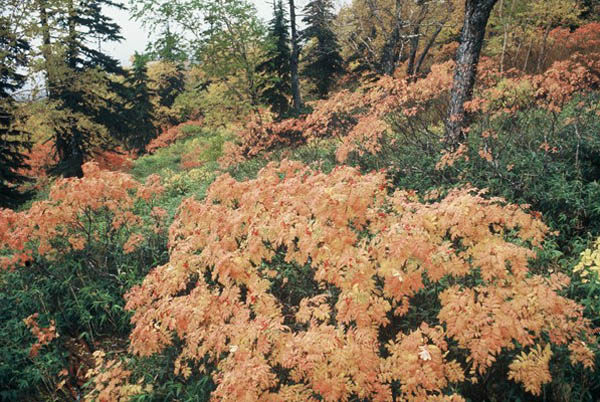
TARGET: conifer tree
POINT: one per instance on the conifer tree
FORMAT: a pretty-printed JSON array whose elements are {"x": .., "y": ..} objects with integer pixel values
[
  {"x": 83, "y": 82},
  {"x": 322, "y": 59},
  {"x": 12, "y": 142},
  {"x": 275, "y": 92},
  {"x": 168, "y": 47},
  {"x": 294, "y": 59},
  {"x": 140, "y": 110}
]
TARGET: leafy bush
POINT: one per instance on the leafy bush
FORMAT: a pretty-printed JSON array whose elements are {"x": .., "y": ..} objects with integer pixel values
[
  {"x": 182, "y": 147},
  {"x": 66, "y": 263},
  {"x": 546, "y": 159},
  {"x": 304, "y": 286}
]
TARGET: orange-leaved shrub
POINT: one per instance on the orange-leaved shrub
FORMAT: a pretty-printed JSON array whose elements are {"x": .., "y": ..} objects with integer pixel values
[
  {"x": 98, "y": 208},
  {"x": 261, "y": 133},
  {"x": 358, "y": 119},
  {"x": 305, "y": 286},
  {"x": 44, "y": 335},
  {"x": 171, "y": 135},
  {"x": 585, "y": 39},
  {"x": 115, "y": 159},
  {"x": 110, "y": 380}
]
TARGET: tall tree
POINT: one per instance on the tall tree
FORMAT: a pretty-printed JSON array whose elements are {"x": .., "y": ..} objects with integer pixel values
[
  {"x": 379, "y": 34},
  {"x": 81, "y": 78},
  {"x": 295, "y": 55},
  {"x": 140, "y": 110},
  {"x": 277, "y": 66},
  {"x": 225, "y": 38},
  {"x": 477, "y": 13},
  {"x": 323, "y": 59},
  {"x": 168, "y": 47},
  {"x": 13, "y": 56},
  {"x": 166, "y": 83}
]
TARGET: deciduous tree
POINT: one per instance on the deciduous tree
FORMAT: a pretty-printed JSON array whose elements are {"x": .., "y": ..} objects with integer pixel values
[
  {"x": 380, "y": 34},
  {"x": 225, "y": 38}
]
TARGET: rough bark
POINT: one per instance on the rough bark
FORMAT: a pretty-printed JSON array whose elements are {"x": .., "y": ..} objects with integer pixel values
[
  {"x": 414, "y": 47},
  {"x": 477, "y": 13},
  {"x": 390, "y": 54},
  {"x": 46, "y": 51},
  {"x": 428, "y": 47},
  {"x": 72, "y": 39},
  {"x": 416, "y": 38},
  {"x": 294, "y": 60}
]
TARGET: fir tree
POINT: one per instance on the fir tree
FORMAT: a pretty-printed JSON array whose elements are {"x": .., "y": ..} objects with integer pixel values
[
  {"x": 84, "y": 87},
  {"x": 322, "y": 59},
  {"x": 12, "y": 142},
  {"x": 277, "y": 91},
  {"x": 168, "y": 47},
  {"x": 294, "y": 60},
  {"x": 140, "y": 110}
]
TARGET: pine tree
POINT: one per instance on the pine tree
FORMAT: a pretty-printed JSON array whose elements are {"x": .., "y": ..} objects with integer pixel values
[
  {"x": 140, "y": 110},
  {"x": 294, "y": 60},
  {"x": 323, "y": 60},
  {"x": 12, "y": 142},
  {"x": 276, "y": 91},
  {"x": 83, "y": 84},
  {"x": 167, "y": 47}
]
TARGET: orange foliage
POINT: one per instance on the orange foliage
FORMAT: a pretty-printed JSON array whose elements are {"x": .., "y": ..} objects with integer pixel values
[
  {"x": 261, "y": 133},
  {"x": 565, "y": 78},
  {"x": 171, "y": 135},
  {"x": 511, "y": 92},
  {"x": 191, "y": 159},
  {"x": 44, "y": 335},
  {"x": 361, "y": 119},
  {"x": 115, "y": 160},
  {"x": 111, "y": 381},
  {"x": 357, "y": 118},
  {"x": 64, "y": 222},
  {"x": 368, "y": 253},
  {"x": 40, "y": 158},
  {"x": 585, "y": 39}
]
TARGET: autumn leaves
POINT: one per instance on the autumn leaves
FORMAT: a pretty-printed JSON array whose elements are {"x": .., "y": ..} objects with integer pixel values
[{"x": 372, "y": 254}]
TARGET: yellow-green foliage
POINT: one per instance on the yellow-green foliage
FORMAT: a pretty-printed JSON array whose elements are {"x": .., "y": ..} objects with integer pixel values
[
  {"x": 166, "y": 82},
  {"x": 590, "y": 262},
  {"x": 220, "y": 109},
  {"x": 188, "y": 181}
]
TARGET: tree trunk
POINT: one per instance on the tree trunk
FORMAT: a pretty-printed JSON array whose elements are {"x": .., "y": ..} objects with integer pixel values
[
  {"x": 73, "y": 155},
  {"x": 294, "y": 60},
  {"x": 389, "y": 55},
  {"x": 428, "y": 48},
  {"x": 46, "y": 51},
  {"x": 477, "y": 13},
  {"x": 72, "y": 39},
  {"x": 415, "y": 39},
  {"x": 414, "y": 47},
  {"x": 542, "y": 54}
]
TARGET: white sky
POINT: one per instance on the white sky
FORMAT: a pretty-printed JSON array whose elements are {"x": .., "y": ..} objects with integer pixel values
[{"x": 136, "y": 38}]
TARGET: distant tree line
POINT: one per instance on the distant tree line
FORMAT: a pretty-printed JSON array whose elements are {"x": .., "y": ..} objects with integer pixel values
[{"x": 219, "y": 61}]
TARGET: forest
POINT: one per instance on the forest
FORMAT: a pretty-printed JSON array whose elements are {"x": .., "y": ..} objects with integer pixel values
[{"x": 365, "y": 200}]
